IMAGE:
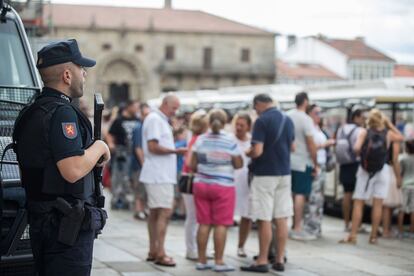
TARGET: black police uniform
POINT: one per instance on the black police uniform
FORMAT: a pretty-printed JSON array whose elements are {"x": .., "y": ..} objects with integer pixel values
[{"x": 63, "y": 217}]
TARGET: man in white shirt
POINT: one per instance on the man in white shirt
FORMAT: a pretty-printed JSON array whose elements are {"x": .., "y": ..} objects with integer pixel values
[{"x": 159, "y": 175}]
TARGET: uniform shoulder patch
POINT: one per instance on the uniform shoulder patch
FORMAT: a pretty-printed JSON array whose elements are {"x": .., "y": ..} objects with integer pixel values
[{"x": 70, "y": 130}]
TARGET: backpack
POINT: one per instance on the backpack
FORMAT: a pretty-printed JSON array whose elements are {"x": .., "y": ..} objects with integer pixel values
[
  {"x": 374, "y": 152},
  {"x": 343, "y": 149}
]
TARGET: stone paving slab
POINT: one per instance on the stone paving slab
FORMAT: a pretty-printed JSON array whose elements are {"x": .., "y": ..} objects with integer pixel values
[
  {"x": 131, "y": 266},
  {"x": 368, "y": 266},
  {"x": 145, "y": 274},
  {"x": 104, "y": 252},
  {"x": 123, "y": 247},
  {"x": 104, "y": 272}
]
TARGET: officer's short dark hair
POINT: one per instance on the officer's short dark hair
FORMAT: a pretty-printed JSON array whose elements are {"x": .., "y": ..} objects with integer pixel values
[
  {"x": 301, "y": 98},
  {"x": 356, "y": 113},
  {"x": 262, "y": 98}
]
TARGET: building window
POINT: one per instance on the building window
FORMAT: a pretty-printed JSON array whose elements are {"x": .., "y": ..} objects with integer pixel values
[
  {"x": 168, "y": 89},
  {"x": 139, "y": 48},
  {"x": 106, "y": 46},
  {"x": 169, "y": 52},
  {"x": 245, "y": 55},
  {"x": 207, "y": 58},
  {"x": 118, "y": 93}
]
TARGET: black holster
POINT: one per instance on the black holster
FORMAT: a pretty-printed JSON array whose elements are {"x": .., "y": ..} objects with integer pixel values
[
  {"x": 71, "y": 221},
  {"x": 69, "y": 217},
  {"x": 72, "y": 218}
]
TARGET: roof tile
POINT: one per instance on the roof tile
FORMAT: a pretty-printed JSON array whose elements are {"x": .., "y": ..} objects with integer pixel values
[
  {"x": 300, "y": 71},
  {"x": 356, "y": 49},
  {"x": 144, "y": 19}
]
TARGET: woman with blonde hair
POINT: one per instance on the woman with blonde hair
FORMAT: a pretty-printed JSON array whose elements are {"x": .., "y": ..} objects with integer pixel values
[
  {"x": 242, "y": 123},
  {"x": 373, "y": 175},
  {"x": 214, "y": 157},
  {"x": 198, "y": 125}
]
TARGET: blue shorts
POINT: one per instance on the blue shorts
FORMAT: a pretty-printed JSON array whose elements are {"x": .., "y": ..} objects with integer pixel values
[{"x": 302, "y": 182}]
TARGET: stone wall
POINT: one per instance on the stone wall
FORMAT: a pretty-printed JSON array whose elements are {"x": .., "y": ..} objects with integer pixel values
[{"x": 138, "y": 59}]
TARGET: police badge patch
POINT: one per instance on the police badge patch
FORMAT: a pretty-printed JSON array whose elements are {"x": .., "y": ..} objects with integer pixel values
[{"x": 69, "y": 130}]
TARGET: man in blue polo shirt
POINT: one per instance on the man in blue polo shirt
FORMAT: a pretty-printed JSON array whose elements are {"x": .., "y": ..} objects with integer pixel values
[{"x": 271, "y": 200}]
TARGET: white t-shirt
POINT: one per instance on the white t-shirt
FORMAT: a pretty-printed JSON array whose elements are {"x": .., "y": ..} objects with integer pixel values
[
  {"x": 320, "y": 139},
  {"x": 158, "y": 168},
  {"x": 303, "y": 128}
]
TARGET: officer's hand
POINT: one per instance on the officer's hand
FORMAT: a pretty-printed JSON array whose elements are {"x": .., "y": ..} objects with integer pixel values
[{"x": 106, "y": 153}]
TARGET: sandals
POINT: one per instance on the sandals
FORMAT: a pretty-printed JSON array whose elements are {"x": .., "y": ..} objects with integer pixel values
[
  {"x": 151, "y": 257},
  {"x": 348, "y": 240},
  {"x": 165, "y": 261}
]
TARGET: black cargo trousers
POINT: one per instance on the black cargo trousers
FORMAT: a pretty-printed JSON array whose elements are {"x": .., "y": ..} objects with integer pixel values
[{"x": 53, "y": 258}]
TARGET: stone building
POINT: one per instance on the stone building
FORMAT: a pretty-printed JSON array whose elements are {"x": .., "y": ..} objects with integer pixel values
[
  {"x": 349, "y": 59},
  {"x": 142, "y": 52}
]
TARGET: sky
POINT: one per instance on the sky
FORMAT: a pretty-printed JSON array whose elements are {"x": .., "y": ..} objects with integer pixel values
[{"x": 387, "y": 25}]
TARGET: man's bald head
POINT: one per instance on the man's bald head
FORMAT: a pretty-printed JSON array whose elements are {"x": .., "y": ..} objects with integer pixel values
[
  {"x": 170, "y": 99},
  {"x": 170, "y": 104}
]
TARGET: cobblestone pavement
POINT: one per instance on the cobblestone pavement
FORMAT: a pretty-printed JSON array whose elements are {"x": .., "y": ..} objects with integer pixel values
[{"x": 123, "y": 247}]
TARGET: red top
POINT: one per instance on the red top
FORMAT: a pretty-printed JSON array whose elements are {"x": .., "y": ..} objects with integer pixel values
[{"x": 186, "y": 166}]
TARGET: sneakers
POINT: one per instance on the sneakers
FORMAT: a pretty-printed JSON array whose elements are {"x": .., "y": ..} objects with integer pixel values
[
  {"x": 241, "y": 253},
  {"x": 192, "y": 256},
  {"x": 223, "y": 268},
  {"x": 362, "y": 230},
  {"x": 206, "y": 266},
  {"x": 301, "y": 236},
  {"x": 140, "y": 215},
  {"x": 216, "y": 268}
]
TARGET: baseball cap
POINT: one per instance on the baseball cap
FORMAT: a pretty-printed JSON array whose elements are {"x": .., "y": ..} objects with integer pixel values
[{"x": 61, "y": 52}]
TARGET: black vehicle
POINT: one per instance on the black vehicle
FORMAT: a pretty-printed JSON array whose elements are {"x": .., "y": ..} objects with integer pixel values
[{"x": 19, "y": 84}]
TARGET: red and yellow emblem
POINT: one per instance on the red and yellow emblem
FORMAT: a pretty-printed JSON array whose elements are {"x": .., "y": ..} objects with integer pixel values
[{"x": 70, "y": 130}]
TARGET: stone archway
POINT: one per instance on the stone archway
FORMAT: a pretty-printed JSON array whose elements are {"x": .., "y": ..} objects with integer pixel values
[{"x": 120, "y": 77}]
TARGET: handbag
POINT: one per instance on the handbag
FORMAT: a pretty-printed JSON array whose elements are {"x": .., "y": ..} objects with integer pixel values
[{"x": 185, "y": 185}]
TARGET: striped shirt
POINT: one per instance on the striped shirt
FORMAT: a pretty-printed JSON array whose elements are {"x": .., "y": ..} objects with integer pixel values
[{"x": 214, "y": 155}]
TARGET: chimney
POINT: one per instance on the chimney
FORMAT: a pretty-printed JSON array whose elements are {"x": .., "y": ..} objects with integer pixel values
[
  {"x": 360, "y": 38},
  {"x": 291, "y": 40},
  {"x": 167, "y": 4}
]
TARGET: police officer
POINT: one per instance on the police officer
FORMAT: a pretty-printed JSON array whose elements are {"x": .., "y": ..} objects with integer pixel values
[{"x": 56, "y": 154}]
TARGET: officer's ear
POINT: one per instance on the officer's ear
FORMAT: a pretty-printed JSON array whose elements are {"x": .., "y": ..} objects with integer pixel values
[{"x": 67, "y": 76}]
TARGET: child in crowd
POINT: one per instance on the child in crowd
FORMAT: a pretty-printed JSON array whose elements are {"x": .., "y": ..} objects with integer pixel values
[
  {"x": 407, "y": 171},
  {"x": 180, "y": 139}
]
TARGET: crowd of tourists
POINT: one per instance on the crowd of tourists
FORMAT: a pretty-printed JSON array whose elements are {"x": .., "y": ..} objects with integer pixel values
[{"x": 266, "y": 170}]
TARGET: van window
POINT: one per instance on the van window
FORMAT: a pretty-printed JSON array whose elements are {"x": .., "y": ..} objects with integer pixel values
[
  {"x": 14, "y": 66},
  {"x": 15, "y": 73}
]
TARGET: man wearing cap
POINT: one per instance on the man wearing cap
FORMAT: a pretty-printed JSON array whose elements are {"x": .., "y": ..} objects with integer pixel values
[{"x": 56, "y": 154}]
